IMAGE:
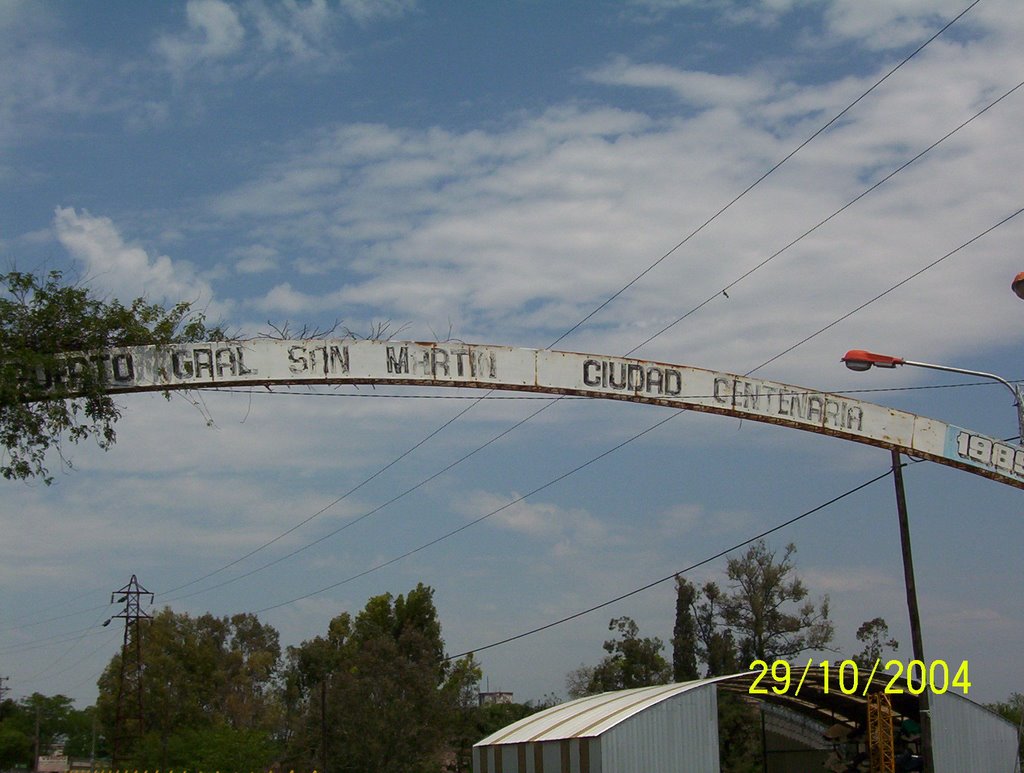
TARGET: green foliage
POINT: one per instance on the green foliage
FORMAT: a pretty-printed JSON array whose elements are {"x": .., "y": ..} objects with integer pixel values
[
  {"x": 739, "y": 735},
  {"x": 716, "y": 644},
  {"x": 764, "y": 611},
  {"x": 684, "y": 633},
  {"x": 44, "y": 398},
  {"x": 203, "y": 675},
  {"x": 374, "y": 692},
  {"x": 874, "y": 634},
  {"x": 631, "y": 662},
  {"x": 15, "y": 748},
  {"x": 377, "y": 692},
  {"x": 59, "y": 722},
  {"x": 215, "y": 748},
  {"x": 1013, "y": 710}
]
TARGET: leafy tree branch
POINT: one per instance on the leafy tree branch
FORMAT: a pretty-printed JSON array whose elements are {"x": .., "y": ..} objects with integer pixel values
[{"x": 44, "y": 401}]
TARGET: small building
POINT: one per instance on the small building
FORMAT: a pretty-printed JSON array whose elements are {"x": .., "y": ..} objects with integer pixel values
[
  {"x": 649, "y": 729},
  {"x": 490, "y": 698},
  {"x": 675, "y": 728},
  {"x": 52, "y": 763}
]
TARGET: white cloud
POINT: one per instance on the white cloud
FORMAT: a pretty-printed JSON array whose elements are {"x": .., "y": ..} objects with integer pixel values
[
  {"x": 369, "y": 10},
  {"x": 695, "y": 88},
  {"x": 255, "y": 260},
  {"x": 866, "y": 580},
  {"x": 568, "y": 530},
  {"x": 126, "y": 270},
  {"x": 516, "y": 232},
  {"x": 215, "y": 32},
  {"x": 41, "y": 77},
  {"x": 258, "y": 36},
  {"x": 512, "y": 230},
  {"x": 284, "y": 298},
  {"x": 886, "y": 24},
  {"x": 878, "y": 24},
  {"x": 296, "y": 29}
]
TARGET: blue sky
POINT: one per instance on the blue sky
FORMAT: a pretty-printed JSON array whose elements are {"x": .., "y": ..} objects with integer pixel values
[{"x": 492, "y": 172}]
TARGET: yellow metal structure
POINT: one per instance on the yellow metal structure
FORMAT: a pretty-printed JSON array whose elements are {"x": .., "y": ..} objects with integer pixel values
[{"x": 881, "y": 745}]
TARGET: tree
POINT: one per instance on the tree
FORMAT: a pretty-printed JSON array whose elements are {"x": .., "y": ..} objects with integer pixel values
[
  {"x": 47, "y": 395},
  {"x": 209, "y": 682},
  {"x": 57, "y": 720},
  {"x": 875, "y": 636},
  {"x": 378, "y": 692},
  {"x": 684, "y": 633},
  {"x": 631, "y": 662},
  {"x": 765, "y": 607},
  {"x": 15, "y": 748},
  {"x": 716, "y": 644},
  {"x": 762, "y": 614},
  {"x": 1013, "y": 710}
]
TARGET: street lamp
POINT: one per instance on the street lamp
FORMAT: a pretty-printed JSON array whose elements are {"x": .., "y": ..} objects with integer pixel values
[
  {"x": 1018, "y": 285},
  {"x": 860, "y": 360}
]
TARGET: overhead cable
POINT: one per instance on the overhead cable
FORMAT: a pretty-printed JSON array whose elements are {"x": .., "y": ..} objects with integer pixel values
[
  {"x": 626, "y": 442},
  {"x": 690, "y": 568},
  {"x": 619, "y": 292},
  {"x": 764, "y": 176}
]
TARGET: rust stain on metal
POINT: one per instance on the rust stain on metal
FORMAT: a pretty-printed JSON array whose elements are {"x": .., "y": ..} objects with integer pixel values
[{"x": 456, "y": 364}]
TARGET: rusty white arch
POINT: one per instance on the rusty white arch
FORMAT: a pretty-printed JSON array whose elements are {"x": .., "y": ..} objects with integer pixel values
[{"x": 347, "y": 361}]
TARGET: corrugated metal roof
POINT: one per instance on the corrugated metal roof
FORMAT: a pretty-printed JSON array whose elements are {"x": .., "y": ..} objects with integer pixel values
[
  {"x": 965, "y": 734},
  {"x": 589, "y": 716}
]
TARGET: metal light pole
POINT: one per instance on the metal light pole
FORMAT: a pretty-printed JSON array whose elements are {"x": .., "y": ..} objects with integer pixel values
[{"x": 861, "y": 360}]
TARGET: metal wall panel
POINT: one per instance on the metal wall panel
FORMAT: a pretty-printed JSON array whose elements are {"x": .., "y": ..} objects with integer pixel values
[
  {"x": 968, "y": 738},
  {"x": 679, "y": 735}
]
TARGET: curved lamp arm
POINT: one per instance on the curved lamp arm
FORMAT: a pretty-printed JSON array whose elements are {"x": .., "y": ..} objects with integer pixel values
[{"x": 861, "y": 360}]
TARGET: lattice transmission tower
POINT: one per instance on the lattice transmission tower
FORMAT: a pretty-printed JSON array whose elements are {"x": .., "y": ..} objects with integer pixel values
[{"x": 128, "y": 720}]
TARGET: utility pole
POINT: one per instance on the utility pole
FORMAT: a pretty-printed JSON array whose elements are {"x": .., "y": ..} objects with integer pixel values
[
  {"x": 131, "y": 667},
  {"x": 924, "y": 705}
]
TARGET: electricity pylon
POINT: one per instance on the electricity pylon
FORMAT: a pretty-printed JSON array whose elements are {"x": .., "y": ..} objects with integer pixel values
[{"x": 128, "y": 725}]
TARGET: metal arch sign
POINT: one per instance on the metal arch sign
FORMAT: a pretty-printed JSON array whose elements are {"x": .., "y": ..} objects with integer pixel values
[{"x": 348, "y": 361}]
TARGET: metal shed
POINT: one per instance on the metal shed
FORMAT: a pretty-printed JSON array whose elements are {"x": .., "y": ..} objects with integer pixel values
[
  {"x": 649, "y": 729},
  {"x": 675, "y": 728}
]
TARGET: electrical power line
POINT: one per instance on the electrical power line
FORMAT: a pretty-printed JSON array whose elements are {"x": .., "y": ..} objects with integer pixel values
[
  {"x": 867, "y": 191},
  {"x": 326, "y": 507},
  {"x": 375, "y": 510},
  {"x": 764, "y": 176},
  {"x": 443, "y": 537},
  {"x": 480, "y": 519},
  {"x": 619, "y": 292},
  {"x": 626, "y": 442},
  {"x": 896, "y": 286},
  {"x": 689, "y": 568},
  {"x": 601, "y": 306},
  {"x": 548, "y": 405},
  {"x": 551, "y": 402}
]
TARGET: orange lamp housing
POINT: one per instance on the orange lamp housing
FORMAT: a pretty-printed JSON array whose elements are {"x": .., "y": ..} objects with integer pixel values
[
  {"x": 1018, "y": 285},
  {"x": 858, "y": 359}
]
